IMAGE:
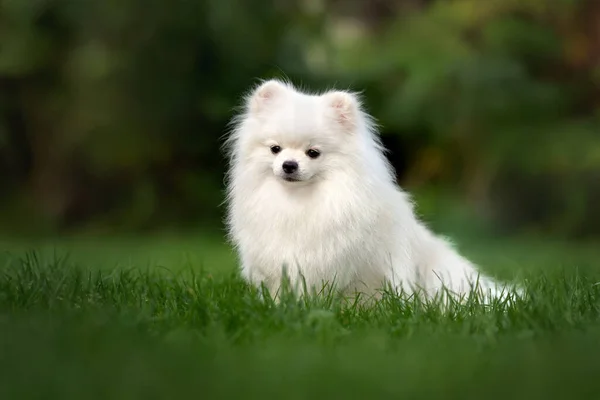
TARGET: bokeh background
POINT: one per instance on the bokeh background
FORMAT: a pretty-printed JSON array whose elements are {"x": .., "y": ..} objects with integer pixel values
[{"x": 112, "y": 112}]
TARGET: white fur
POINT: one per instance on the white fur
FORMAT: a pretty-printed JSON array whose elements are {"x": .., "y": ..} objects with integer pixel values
[{"x": 345, "y": 221}]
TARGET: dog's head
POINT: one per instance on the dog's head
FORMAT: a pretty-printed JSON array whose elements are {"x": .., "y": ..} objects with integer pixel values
[{"x": 299, "y": 138}]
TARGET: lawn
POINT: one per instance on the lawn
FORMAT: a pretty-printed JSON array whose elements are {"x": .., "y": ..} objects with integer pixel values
[{"x": 166, "y": 317}]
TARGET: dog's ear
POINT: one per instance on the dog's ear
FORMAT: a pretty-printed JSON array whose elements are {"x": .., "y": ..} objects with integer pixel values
[
  {"x": 265, "y": 94},
  {"x": 344, "y": 108}
]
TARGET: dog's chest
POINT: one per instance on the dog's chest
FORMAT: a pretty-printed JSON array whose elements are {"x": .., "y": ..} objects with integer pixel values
[{"x": 317, "y": 233}]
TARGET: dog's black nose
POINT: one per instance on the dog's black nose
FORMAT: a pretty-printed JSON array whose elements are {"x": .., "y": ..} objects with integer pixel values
[{"x": 289, "y": 167}]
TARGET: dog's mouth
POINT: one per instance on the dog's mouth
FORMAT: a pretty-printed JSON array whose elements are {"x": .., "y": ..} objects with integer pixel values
[{"x": 291, "y": 179}]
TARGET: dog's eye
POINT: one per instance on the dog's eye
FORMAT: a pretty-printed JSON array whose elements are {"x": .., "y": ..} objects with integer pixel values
[
  {"x": 275, "y": 149},
  {"x": 312, "y": 153}
]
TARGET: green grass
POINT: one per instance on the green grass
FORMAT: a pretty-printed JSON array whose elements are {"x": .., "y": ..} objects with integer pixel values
[{"x": 167, "y": 317}]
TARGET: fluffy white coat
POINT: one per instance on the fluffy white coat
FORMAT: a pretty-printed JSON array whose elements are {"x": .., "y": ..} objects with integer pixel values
[{"x": 339, "y": 216}]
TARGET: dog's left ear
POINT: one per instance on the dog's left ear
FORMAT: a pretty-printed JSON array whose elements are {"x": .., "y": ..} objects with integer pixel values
[
  {"x": 265, "y": 95},
  {"x": 344, "y": 108}
]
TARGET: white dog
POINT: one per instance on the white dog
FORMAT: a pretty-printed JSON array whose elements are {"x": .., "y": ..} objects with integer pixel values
[{"x": 312, "y": 195}]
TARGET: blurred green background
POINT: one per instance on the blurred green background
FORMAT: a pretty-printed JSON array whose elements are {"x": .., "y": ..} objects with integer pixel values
[{"x": 112, "y": 112}]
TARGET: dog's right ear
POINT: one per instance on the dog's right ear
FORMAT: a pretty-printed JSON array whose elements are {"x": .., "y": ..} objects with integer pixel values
[
  {"x": 344, "y": 108},
  {"x": 265, "y": 95}
]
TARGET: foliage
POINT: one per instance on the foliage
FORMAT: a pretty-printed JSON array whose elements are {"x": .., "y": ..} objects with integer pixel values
[{"x": 111, "y": 112}]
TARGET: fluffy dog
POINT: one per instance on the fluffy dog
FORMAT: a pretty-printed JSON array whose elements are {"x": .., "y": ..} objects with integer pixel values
[{"x": 311, "y": 195}]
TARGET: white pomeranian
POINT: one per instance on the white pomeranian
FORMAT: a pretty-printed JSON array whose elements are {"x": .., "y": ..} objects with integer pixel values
[{"x": 312, "y": 197}]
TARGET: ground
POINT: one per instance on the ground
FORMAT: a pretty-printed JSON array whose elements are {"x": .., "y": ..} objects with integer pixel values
[{"x": 167, "y": 317}]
